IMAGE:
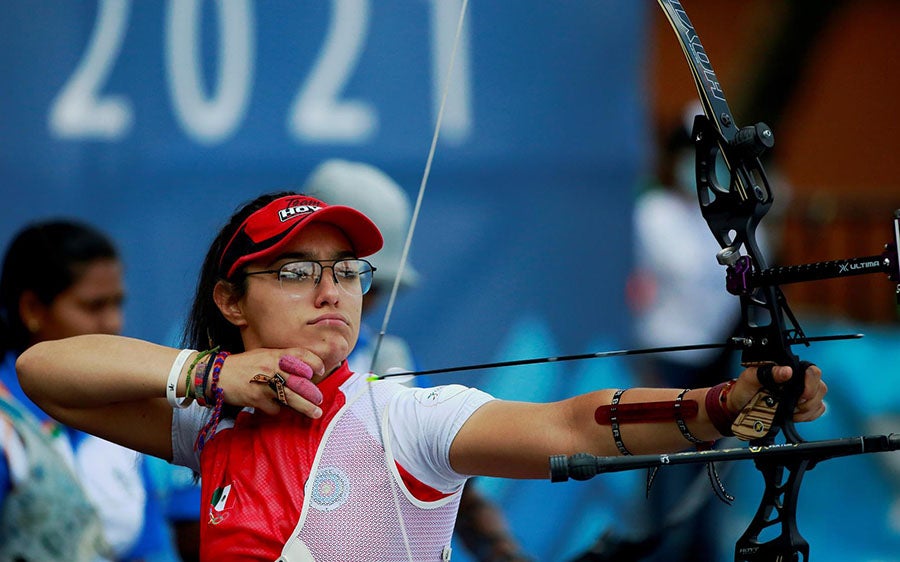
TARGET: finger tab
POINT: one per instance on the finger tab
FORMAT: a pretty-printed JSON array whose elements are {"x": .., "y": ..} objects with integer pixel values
[
  {"x": 305, "y": 389},
  {"x": 295, "y": 366}
]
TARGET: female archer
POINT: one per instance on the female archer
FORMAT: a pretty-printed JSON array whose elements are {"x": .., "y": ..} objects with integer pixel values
[{"x": 302, "y": 459}]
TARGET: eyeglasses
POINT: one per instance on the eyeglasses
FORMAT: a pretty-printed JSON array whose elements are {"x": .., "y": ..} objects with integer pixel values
[{"x": 353, "y": 276}]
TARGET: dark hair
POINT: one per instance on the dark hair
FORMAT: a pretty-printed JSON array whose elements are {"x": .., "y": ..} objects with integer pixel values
[
  {"x": 46, "y": 258},
  {"x": 206, "y": 327}
]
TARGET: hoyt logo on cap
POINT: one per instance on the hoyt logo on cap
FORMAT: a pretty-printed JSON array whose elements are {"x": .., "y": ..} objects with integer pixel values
[
  {"x": 268, "y": 230},
  {"x": 291, "y": 212}
]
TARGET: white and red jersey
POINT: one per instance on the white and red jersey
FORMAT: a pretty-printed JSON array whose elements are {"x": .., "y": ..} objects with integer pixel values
[{"x": 381, "y": 487}]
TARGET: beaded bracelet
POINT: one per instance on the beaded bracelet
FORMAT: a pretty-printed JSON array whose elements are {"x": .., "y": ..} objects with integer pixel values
[{"x": 172, "y": 380}]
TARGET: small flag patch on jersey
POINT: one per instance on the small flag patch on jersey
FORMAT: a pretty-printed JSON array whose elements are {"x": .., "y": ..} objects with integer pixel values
[{"x": 222, "y": 498}]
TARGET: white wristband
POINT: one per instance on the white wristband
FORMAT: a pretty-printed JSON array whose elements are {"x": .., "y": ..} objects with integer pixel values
[{"x": 172, "y": 382}]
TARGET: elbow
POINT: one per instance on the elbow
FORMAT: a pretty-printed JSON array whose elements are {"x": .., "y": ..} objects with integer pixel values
[{"x": 28, "y": 369}]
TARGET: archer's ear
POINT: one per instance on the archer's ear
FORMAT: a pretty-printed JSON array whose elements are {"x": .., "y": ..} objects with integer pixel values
[
  {"x": 229, "y": 303},
  {"x": 32, "y": 311}
]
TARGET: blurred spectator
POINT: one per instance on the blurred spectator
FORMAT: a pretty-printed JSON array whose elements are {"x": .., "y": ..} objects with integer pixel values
[
  {"x": 176, "y": 494},
  {"x": 64, "y": 494},
  {"x": 677, "y": 289},
  {"x": 678, "y": 297}
]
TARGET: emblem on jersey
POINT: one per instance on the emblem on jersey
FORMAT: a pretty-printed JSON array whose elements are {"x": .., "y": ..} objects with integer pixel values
[
  {"x": 330, "y": 489},
  {"x": 222, "y": 500}
]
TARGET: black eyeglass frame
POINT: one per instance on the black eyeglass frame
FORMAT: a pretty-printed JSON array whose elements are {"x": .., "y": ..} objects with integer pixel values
[{"x": 322, "y": 266}]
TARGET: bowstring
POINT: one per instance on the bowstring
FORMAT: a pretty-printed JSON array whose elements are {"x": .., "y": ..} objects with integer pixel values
[
  {"x": 404, "y": 256},
  {"x": 445, "y": 90}
]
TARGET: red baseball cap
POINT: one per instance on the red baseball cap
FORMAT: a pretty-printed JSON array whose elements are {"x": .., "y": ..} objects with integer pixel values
[{"x": 274, "y": 226}]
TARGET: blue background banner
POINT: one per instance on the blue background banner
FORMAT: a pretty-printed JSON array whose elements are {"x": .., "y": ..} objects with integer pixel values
[{"x": 154, "y": 120}]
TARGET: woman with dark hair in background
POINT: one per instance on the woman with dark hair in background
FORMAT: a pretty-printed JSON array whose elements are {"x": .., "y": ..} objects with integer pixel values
[{"x": 64, "y": 494}]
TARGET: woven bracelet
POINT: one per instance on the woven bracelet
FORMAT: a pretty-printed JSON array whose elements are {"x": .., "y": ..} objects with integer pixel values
[
  {"x": 189, "y": 389},
  {"x": 201, "y": 377},
  {"x": 209, "y": 430}
]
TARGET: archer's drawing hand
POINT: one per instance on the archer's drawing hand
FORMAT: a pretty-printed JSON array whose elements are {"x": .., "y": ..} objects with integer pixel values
[
  {"x": 295, "y": 367},
  {"x": 810, "y": 405}
]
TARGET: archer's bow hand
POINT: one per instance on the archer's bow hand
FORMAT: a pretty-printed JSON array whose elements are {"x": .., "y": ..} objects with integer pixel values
[{"x": 810, "y": 404}]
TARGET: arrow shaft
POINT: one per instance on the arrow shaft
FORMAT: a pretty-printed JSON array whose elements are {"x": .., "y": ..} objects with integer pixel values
[{"x": 735, "y": 343}]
